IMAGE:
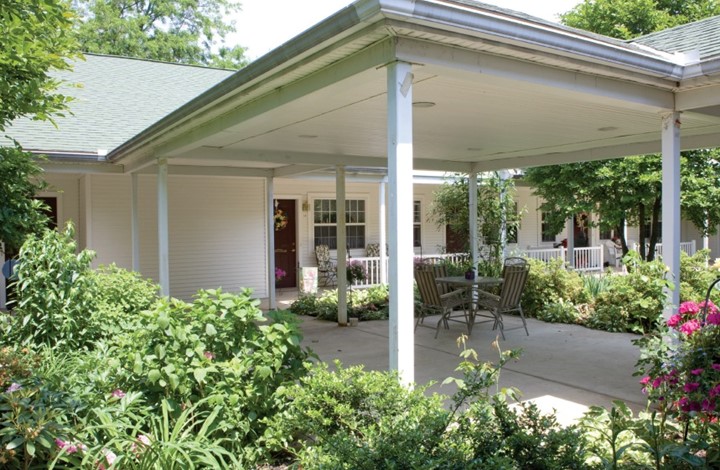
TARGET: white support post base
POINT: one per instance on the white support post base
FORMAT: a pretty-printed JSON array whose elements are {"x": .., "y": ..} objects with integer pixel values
[{"x": 400, "y": 179}]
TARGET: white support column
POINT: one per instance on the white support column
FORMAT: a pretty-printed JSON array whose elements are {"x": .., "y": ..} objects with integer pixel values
[
  {"x": 341, "y": 245},
  {"x": 400, "y": 178},
  {"x": 570, "y": 252},
  {"x": 504, "y": 175},
  {"x": 383, "y": 234},
  {"x": 135, "y": 223},
  {"x": 270, "y": 230},
  {"x": 671, "y": 205},
  {"x": 473, "y": 218},
  {"x": 163, "y": 229}
]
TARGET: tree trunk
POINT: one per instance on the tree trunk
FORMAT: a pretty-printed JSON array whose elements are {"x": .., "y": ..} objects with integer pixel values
[{"x": 654, "y": 229}]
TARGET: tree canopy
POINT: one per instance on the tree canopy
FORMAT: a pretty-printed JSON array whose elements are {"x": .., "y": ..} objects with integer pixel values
[
  {"x": 181, "y": 31},
  {"x": 35, "y": 38},
  {"x": 626, "y": 19}
]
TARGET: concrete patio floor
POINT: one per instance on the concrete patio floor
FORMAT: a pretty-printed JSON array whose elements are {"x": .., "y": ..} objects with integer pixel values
[{"x": 566, "y": 368}]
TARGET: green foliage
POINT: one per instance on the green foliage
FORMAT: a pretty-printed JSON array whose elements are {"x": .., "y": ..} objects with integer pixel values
[
  {"x": 625, "y": 19},
  {"x": 596, "y": 285},
  {"x": 561, "y": 311},
  {"x": 364, "y": 304},
  {"x": 20, "y": 214},
  {"x": 215, "y": 348},
  {"x": 633, "y": 302},
  {"x": 548, "y": 283},
  {"x": 56, "y": 297},
  {"x": 495, "y": 205},
  {"x": 181, "y": 31},
  {"x": 695, "y": 277},
  {"x": 124, "y": 290},
  {"x": 35, "y": 39}
]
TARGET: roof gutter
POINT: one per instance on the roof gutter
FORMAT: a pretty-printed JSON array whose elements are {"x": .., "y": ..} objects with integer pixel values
[{"x": 459, "y": 16}]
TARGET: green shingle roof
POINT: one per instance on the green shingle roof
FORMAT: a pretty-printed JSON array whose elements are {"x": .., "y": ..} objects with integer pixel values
[
  {"x": 116, "y": 98},
  {"x": 703, "y": 36}
]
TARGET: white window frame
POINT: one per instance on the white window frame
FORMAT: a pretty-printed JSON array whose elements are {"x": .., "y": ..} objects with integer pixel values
[{"x": 348, "y": 201}]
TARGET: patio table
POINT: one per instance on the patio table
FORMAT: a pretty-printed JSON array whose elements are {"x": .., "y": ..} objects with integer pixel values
[{"x": 470, "y": 285}]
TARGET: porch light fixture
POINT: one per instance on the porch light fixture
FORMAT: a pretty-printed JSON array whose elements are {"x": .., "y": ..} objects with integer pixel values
[
  {"x": 423, "y": 104},
  {"x": 307, "y": 136},
  {"x": 607, "y": 129}
]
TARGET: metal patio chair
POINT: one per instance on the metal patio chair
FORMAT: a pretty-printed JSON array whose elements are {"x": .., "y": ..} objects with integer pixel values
[
  {"x": 515, "y": 275},
  {"x": 438, "y": 298}
]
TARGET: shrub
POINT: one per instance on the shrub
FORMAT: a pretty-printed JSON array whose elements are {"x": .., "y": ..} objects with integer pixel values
[
  {"x": 695, "y": 277},
  {"x": 124, "y": 290},
  {"x": 633, "y": 302},
  {"x": 364, "y": 304},
  {"x": 548, "y": 283},
  {"x": 561, "y": 311},
  {"x": 215, "y": 348},
  {"x": 56, "y": 294}
]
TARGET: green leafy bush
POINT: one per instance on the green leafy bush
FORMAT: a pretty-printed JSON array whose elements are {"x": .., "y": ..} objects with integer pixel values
[
  {"x": 364, "y": 304},
  {"x": 56, "y": 294},
  {"x": 548, "y": 283},
  {"x": 633, "y": 302},
  {"x": 561, "y": 311},
  {"x": 124, "y": 290},
  {"x": 696, "y": 277},
  {"x": 216, "y": 349}
]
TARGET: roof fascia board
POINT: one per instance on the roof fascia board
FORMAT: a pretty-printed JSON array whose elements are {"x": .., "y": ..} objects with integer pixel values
[
  {"x": 79, "y": 167},
  {"x": 688, "y": 142},
  {"x": 301, "y": 158},
  {"x": 519, "y": 31},
  {"x": 708, "y": 68},
  {"x": 192, "y": 170},
  {"x": 599, "y": 89},
  {"x": 687, "y": 100}
]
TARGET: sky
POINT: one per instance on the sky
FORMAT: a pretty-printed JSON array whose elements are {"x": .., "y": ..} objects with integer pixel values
[{"x": 263, "y": 25}]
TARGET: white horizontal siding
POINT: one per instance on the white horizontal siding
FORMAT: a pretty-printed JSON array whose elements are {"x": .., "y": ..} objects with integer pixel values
[{"x": 110, "y": 225}]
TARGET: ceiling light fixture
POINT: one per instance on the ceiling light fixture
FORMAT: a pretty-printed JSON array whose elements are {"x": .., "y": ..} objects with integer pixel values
[{"x": 307, "y": 136}]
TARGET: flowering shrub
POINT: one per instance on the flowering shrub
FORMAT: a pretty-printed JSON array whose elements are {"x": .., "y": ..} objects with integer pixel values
[
  {"x": 683, "y": 378},
  {"x": 279, "y": 274},
  {"x": 688, "y": 384}
]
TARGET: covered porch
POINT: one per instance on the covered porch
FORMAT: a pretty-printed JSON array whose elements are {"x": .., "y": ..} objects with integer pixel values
[{"x": 425, "y": 85}]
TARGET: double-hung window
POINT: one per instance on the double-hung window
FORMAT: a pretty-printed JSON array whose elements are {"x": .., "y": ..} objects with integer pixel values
[
  {"x": 417, "y": 224},
  {"x": 325, "y": 222}
]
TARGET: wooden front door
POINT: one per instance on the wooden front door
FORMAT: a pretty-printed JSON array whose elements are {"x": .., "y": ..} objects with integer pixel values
[{"x": 286, "y": 242}]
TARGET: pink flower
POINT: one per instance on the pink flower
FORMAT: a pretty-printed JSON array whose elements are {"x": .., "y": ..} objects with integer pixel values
[
  {"x": 691, "y": 387},
  {"x": 109, "y": 456},
  {"x": 645, "y": 380},
  {"x": 713, "y": 319},
  {"x": 144, "y": 439},
  {"x": 711, "y": 307},
  {"x": 674, "y": 320},
  {"x": 715, "y": 391},
  {"x": 68, "y": 447},
  {"x": 697, "y": 371},
  {"x": 689, "y": 327},
  {"x": 716, "y": 366},
  {"x": 658, "y": 381},
  {"x": 14, "y": 387},
  {"x": 708, "y": 405},
  {"x": 690, "y": 308},
  {"x": 209, "y": 355},
  {"x": 117, "y": 393}
]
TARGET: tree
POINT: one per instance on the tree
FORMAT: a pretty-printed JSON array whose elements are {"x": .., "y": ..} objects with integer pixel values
[
  {"x": 495, "y": 206},
  {"x": 181, "y": 31},
  {"x": 35, "y": 38},
  {"x": 629, "y": 189},
  {"x": 626, "y": 19}
]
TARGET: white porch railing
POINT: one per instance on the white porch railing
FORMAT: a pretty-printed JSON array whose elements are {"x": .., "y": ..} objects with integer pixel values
[
  {"x": 371, "y": 265},
  {"x": 688, "y": 247},
  {"x": 587, "y": 259}
]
